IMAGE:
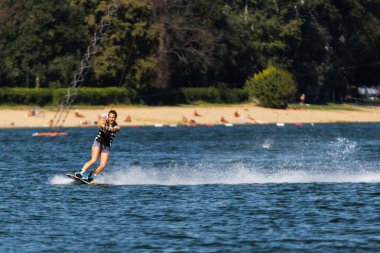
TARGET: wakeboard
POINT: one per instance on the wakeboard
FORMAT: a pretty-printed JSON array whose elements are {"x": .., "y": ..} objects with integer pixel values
[{"x": 79, "y": 180}]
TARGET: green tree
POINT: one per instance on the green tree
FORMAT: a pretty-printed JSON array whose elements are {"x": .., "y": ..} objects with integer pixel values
[
  {"x": 125, "y": 56},
  {"x": 187, "y": 40},
  {"x": 41, "y": 46},
  {"x": 258, "y": 33},
  {"x": 326, "y": 45},
  {"x": 274, "y": 87},
  {"x": 340, "y": 47}
]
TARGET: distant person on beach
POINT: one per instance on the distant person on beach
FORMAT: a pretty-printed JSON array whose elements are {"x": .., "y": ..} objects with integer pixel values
[
  {"x": 302, "y": 99},
  {"x": 31, "y": 113},
  {"x": 102, "y": 144},
  {"x": 223, "y": 120},
  {"x": 78, "y": 114},
  {"x": 128, "y": 119},
  {"x": 184, "y": 120}
]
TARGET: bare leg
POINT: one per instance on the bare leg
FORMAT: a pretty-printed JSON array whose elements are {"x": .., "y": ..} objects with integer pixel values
[
  {"x": 103, "y": 162},
  {"x": 94, "y": 157}
]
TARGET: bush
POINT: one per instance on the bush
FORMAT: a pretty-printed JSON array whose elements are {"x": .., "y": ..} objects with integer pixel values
[
  {"x": 114, "y": 95},
  {"x": 214, "y": 95},
  {"x": 274, "y": 87},
  {"x": 232, "y": 96},
  {"x": 209, "y": 94},
  {"x": 25, "y": 96},
  {"x": 44, "y": 96},
  {"x": 102, "y": 96},
  {"x": 96, "y": 96}
]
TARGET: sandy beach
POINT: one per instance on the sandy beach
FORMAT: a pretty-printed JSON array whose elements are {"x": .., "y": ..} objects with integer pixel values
[{"x": 190, "y": 115}]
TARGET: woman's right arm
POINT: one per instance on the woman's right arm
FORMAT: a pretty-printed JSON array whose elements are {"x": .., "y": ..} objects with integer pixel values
[{"x": 102, "y": 123}]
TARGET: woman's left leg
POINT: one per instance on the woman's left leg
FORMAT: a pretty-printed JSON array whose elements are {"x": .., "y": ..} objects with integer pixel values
[{"x": 103, "y": 162}]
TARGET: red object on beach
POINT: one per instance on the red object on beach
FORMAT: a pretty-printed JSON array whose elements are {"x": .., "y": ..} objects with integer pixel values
[{"x": 51, "y": 134}]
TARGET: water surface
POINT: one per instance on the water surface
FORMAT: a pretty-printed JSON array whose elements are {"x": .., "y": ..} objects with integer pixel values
[{"x": 313, "y": 188}]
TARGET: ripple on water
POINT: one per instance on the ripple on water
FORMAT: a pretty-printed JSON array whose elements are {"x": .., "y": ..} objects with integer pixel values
[{"x": 239, "y": 189}]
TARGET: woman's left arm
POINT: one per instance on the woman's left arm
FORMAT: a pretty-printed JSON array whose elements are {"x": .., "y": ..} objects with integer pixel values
[{"x": 115, "y": 129}]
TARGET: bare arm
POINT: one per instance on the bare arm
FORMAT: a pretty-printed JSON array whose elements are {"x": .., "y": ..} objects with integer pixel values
[
  {"x": 102, "y": 123},
  {"x": 115, "y": 129}
]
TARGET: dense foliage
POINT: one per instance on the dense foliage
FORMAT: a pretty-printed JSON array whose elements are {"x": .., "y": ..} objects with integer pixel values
[
  {"x": 116, "y": 95},
  {"x": 328, "y": 46},
  {"x": 46, "y": 96},
  {"x": 274, "y": 87}
]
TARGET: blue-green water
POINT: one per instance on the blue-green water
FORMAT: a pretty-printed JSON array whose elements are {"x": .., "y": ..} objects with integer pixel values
[{"x": 203, "y": 189}]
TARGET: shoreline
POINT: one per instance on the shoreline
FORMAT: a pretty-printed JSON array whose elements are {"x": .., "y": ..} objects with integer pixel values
[{"x": 209, "y": 115}]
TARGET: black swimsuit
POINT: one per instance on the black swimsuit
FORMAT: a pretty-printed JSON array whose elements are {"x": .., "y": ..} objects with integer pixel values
[{"x": 106, "y": 137}]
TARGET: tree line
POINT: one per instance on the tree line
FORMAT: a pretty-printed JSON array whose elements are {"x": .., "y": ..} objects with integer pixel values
[{"x": 329, "y": 46}]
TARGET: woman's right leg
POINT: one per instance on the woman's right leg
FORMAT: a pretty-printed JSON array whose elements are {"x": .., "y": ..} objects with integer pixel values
[{"x": 95, "y": 151}]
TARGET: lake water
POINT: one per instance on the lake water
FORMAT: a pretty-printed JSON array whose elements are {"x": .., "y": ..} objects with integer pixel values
[{"x": 256, "y": 188}]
